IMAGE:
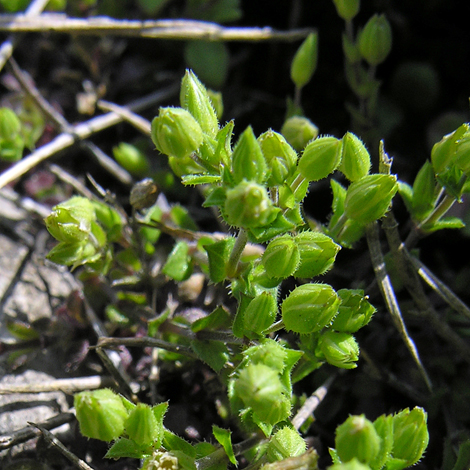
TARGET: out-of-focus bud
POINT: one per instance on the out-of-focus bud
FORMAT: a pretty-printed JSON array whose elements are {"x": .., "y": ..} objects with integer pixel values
[
  {"x": 320, "y": 158},
  {"x": 309, "y": 308},
  {"x": 142, "y": 426},
  {"x": 357, "y": 438},
  {"x": 247, "y": 205},
  {"x": 410, "y": 436},
  {"x": 281, "y": 257},
  {"x": 317, "y": 253},
  {"x": 260, "y": 313},
  {"x": 369, "y": 198},
  {"x": 305, "y": 61},
  {"x": 176, "y": 133},
  {"x": 443, "y": 152},
  {"x": 195, "y": 99},
  {"x": 248, "y": 161},
  {"x": 110, "y": 219},
  {"x": 355, "y": 161},
  {"x": 462, "y": 153},
  {"x": 375, "y": 40},
  {"x": 347, "y": 9},
  {"x": 11, "y": 141},
  {"x": 217, "y": 102},
  {"x": 131, "y": 159},
  {"x": 286, "y": 442},
  {"x": 350, "y": 50},
  {"x": 424, "y": 192},
  {"x": 101, "y": 414},
  {"x": 339, "y": 349},
  {"x": 143, "y": 194},
  {"x": 354, "y": 311},
  {"x": 298, "y": 131},
  {"x": 280, "y": 157}
]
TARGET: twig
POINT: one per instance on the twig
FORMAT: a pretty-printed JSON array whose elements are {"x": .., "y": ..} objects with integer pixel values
[
  {"x": 388, "y": 294},
  {"x": 6, "y": 50},
  {"x": 80, "y": 131},
  {"x": 63, "y": 385},
  {"x": 77, "y": 185},
  {"x": 28, "y": 432},
  {"x": 77, "y": 462},
  {"x": 179, "y": 29},
  {"x": 140, "y": 123}
]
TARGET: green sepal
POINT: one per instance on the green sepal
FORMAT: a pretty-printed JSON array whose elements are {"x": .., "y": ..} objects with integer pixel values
[
  {"x": 218, "y": 254},
  {"x": 214, "y": 353},
  {"x": 218, "y": 318},
  {"x": 178, "y": 265},
  {"x": 215, "y": 197},
  {"x": 285, "y": 443},
  {"x": 224, "y": 438},
  {"x": 278, "y": 226},
  {"x": 384, "y": 427},
  {"x": 238, "y": 326},
  {"x": 192, "y": 180},
  {"x": 143, "y": 427},
  {"x": 224, "y": 143},
  {"x": 124, "y": 447}
]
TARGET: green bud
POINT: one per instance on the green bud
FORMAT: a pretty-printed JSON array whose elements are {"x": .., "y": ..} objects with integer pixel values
[
  {"x": 353, "y": 464},
  {"x": 375, "y": 40},
  {"x": 269, "y": 353},
  {"x": 248, "y": 161},
  {"x": 384, "y": 427},
  {"x": 281, "y": 257},
  {"x": 260, "y": 313},
  {"x": 309, "y": 308},
  {"x": 280, "y": 157},
  {"x": 298, "y": 131},
  {"x": 410, "y": 435},
  {"x": 317, "y": 253},
  {"x": 354, "y": 311},
  {"x": 176, "y": 133},
  {"x": 347, "y": 9},
  {"x": 184, "y": 166},
  {"x": 131, "y": 159},
  {"x": 142, "y": 426},
  {"x": 369, "y": 198},
  {"x": 357, "y": 438},
  {"x": 339, "y": 349},
  {"x": 286, "y": 442},
  {"x": 217, "y": 102},
  {"x": 443, "y": 152},
  {"x": 320, "y": 158},
  {"x": 10, "y": 124},
  {"x": 195, "y": 99},
  {"x": 247, "y": 205},
  {"x": 305, "y": 61},
  {"x": 101, "y": 414},
  {"x": 355, "y": 159},
  {"x": 462, "y": 153},
  {"x": 423, "y": 192}
]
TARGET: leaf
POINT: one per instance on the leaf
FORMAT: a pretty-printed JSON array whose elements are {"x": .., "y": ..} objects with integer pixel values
[
  {"x": 265, "y": 233},
  {"x": 213, "y": 353},
  {"x": 125, "y": 448},
  {"x": 224, "y": 438},
  {"x": 218, "y": 318},
  {"x": 178, "y": 265},
  {"x": 445, "y": 222},
  {"x": 219, "y": 253},
  {"x": 21, "y": 330},
  {"x": 175, "y": 443},
  {"x": 200, "y": 179}
]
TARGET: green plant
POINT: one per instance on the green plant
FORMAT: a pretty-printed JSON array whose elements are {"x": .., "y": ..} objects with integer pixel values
[{"x": 258, "y": 186}]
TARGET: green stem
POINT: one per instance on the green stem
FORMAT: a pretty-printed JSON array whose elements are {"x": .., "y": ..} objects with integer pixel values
[
  {"x": 279, "y": 325},
  {"x": 240, "y": 243}
]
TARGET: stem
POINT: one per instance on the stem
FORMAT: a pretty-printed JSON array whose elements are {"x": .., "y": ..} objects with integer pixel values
[
  {"x": 279, "y": 325},
  {"x": 240, "y": 243}
]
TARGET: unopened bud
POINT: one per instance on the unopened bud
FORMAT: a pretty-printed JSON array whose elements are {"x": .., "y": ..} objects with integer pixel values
[
  {"x": 355, "y": 161},
  {"x": 305, "y": 61},
  {"x": 375, "y": 40},
  {"x": 347, "y": 9},
  {"x": 298, "y": 131},
  {"x": 248, "y": 161},
  {"x": 281, "y": 257},
  {"x": 339, "y": 349},
  {"x": 320, "y": 158}
]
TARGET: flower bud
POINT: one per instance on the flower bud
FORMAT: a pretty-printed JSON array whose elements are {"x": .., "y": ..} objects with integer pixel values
[
  {"x": 369, "y": 198},
  {"x": 305, "y": 61},
  {"x": 280, "y": 157},
  {"x": 443, "y": 152},
  {"x": 462, "y": 153},
  {"x": 286, "y": 442},
  {"x": 281, "y": 257},
  {"x": 357, "y": 438},
  {"x": 355, "y": 159},
  {"x": 347, "y": 9},
  {"x": 247, "y": 205},
  {"x": 354, "y": 311},
  {"x": 217, "y": 102},
  {"x": 176, "y": 133},
  {"x": 317, "y": 253},
  {"x": 320, "y": 158},
  {"x": 248, "y": 161},
  {"x": 101, "y": 414},
  {"x": 353, "y": 464},
  {"x": 309, "y": 308},
  {"x": 410, "y": 435},
  {"x": 339, "y": 349},
  {"x": 375, "y": 40},
  {"x": 298, "y": 131},
  {"x": 195, "y": 99},
  {"x": 260, "y": 313},
  {"x": 131, "y": 159},
  {"x": 142, "y": 426}
]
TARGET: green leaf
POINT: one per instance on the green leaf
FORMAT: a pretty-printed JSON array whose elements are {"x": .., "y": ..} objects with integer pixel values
[
  {"x": 213, "y": 353},
  {"x": 189, "y": 180},
  {"x": 175, "y": 443},
  {"x": 219, "y": 253},
  {"x": 445, "y": 222},
  {"x": 180, "y": 216},
  {"x": 279, "y": 226},
  {"x": 218, "y": 318},
  {"x": 224, "y": 438},
  {"x": 21, "y": 330},
  {"x": 125, "y": 448},
  {"x": 178, "y": 265}
]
